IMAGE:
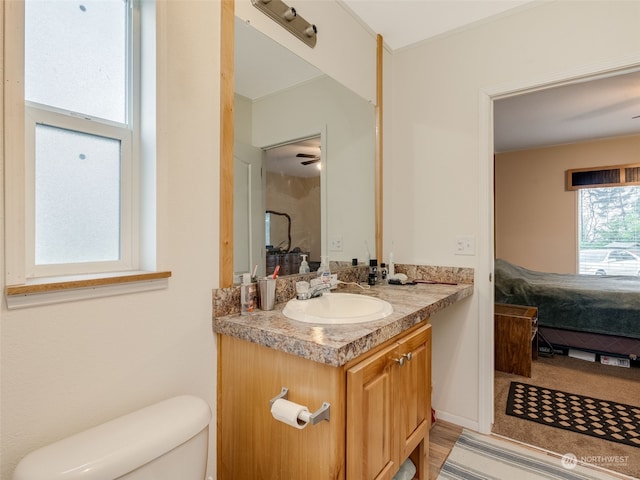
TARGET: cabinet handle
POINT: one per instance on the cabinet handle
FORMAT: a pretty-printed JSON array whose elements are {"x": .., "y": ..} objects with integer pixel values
[
  {"x": 408, "y": 356},
  {"x": 399, "y": 361}
]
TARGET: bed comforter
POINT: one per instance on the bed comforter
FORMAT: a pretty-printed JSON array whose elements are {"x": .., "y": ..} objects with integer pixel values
[{"x": 588, "y": 303}]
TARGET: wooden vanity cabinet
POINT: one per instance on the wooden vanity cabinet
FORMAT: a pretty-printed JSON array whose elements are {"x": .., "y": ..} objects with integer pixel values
[
  {"x": 389, "y": 408},
  {"x": 380, "y": 412}
]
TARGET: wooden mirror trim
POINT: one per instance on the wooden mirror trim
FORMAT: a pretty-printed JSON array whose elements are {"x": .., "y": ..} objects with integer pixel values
[
  {"x": 378, "y": 166},
  {"x": 227, "y": 92}
]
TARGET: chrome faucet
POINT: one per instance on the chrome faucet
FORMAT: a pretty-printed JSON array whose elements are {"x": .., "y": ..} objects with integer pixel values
[{"x": 305, "y": 292}]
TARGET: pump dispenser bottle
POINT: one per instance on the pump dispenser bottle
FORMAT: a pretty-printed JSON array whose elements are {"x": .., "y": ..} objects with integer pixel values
[
  {"x": 323, "y": 271},
  {"x": 304, "y": 266},
  {"x": 248, "y": 295}
]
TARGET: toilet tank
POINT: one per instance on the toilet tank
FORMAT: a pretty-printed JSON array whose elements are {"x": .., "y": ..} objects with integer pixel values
[{"x": 167, "y": 440}]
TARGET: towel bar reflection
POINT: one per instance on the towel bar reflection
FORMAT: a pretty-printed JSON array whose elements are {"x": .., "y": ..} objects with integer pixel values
[{"x": 323, "y": 413}]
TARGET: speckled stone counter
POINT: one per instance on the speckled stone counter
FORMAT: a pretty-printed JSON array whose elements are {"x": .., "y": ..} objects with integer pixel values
[{"x": 337, "y": 345}]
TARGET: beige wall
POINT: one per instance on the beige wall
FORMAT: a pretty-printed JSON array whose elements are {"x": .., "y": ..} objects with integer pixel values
[
  {"x": 535, "y": 216},
  {"x": 439, "y": 158},
  {"x": 242, "y": 119}
]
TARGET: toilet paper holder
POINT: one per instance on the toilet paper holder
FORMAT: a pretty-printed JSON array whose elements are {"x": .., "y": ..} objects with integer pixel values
[{"x": 316, "y": 417}]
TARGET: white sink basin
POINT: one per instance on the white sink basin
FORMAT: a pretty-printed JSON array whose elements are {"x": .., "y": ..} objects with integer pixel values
[{"x": 338, "y": 309}]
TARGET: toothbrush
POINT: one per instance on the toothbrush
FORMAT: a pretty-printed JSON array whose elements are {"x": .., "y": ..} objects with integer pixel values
[
  {"x": 255, "y": 270},
  {"x": 275, "y": 272}
]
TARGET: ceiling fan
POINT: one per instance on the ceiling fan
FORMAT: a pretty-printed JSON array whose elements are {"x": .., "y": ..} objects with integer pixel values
[{"x": 312, "y": 158}]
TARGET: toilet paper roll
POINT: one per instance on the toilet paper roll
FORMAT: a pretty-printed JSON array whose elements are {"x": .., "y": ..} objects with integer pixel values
[{"x": 290, "y": 413}]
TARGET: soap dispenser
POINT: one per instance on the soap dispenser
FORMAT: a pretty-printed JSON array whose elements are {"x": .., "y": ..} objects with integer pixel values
[
  {"x": 323, "y": 271},
  {"x": 304, "y": 266}
]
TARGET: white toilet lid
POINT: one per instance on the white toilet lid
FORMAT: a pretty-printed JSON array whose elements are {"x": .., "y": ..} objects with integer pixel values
[{"x": 119, "y": 446}]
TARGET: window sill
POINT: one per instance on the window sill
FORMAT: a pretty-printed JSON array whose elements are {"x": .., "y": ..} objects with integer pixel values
[{"x": 44, "y": 291}]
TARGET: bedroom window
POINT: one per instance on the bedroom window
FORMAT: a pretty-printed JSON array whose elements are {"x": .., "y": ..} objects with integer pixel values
[{"x": 609, "y": 231}]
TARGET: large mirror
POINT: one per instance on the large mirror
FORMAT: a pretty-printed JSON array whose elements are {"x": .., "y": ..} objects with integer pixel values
[{"x": 305, "y": 148}]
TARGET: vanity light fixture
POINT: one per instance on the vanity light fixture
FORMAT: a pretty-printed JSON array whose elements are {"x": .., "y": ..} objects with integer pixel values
[
  {"x": 290, "y": 14},
  {"x": 288, "y": 17}
]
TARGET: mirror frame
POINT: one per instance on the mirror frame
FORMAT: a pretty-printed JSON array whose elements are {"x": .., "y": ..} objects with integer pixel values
[{"x": 227, "y": 90}]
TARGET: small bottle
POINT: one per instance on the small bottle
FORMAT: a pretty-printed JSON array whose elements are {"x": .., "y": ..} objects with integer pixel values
[
  {"x": 367, "y": 254},
  {"x": 323, "y": 271},
  {"x": 383, "y": 273},
  {"x": 304, "y": 266},
  {"x": 248, "y": 295},
  {"x": 373, "y": 271}
]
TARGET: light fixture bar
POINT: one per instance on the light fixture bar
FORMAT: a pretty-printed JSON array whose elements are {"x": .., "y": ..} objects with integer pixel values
[{"x": 288, "y": 17}]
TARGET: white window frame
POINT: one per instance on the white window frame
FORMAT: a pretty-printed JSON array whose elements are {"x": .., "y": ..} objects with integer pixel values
[
  {"x": 137, "y": 270},
  {"x": 128, "y": 232},
  {"x": 127, "y": 134},
  {"x": 579, "y": 226}
]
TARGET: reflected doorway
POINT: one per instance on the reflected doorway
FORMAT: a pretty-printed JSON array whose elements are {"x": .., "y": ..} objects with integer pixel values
[{"x": 293, "y": 192}]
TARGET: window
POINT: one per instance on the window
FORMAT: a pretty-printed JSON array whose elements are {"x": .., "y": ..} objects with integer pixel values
[
  {"x": 80, "y": 130},
  {"x": 609, "y": 229},
  {"x": 609, "y": 176},
  {"x": 80, "y": 191},
  {"x": 267, "y": 228}
]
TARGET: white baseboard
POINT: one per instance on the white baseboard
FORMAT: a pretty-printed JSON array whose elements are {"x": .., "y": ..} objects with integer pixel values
[{"x": 456, "y": 420}]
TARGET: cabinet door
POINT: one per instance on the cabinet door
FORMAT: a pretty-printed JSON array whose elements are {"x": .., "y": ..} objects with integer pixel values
[
  {"x": 413, "y": 390},
  {"x": 371, "y": 452}
]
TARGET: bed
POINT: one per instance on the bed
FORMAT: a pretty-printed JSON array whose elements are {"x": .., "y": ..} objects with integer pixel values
[{"x": 596, "y": 313}]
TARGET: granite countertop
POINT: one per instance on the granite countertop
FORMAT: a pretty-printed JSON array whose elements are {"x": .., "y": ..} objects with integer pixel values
[{"x": 338, "y": 344}]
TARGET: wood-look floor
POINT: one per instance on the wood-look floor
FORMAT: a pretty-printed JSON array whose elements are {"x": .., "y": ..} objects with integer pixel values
[{"x": 442, "y": 437}]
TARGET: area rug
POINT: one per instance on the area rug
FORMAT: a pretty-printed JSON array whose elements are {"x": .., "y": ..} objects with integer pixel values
[
  {"x": 481, "y": 457},
  {"x": 603, "y": 419}
]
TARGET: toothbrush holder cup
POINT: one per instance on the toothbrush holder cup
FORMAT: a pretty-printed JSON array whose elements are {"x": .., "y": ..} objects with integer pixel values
[{"x": 267, "y": 290}]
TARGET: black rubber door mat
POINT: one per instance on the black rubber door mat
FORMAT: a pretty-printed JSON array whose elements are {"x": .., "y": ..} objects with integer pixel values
[{"x": 604, "y": 419}]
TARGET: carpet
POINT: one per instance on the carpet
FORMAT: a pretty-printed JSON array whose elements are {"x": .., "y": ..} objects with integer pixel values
[
  {"x": 481, "y": 457},
  {"x": 616, "y": 422}
]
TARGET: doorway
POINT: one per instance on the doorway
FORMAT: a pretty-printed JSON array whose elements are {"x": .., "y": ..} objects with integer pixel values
[
  {"x": 488, "y": 104},
  {"x": 293, "y": 202}
]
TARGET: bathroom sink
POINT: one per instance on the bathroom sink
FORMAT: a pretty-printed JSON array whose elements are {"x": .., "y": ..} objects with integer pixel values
[{"x": 338, "y": 309}]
